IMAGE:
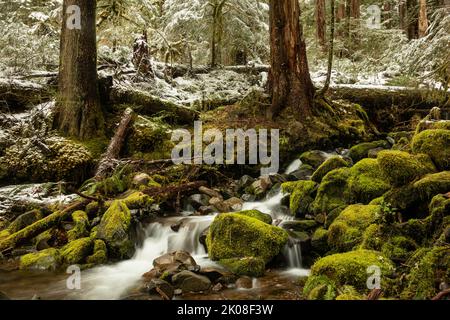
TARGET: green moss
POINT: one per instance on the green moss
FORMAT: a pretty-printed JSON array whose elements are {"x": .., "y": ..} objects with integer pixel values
[
  {"x": 45, "y": 260},
  {"x": 429, "y": 268},
  {"x": 257, "y": 215},
  {"x": 313, "y": 158},
  {"x": 320, "y": 288},
  {"x": 114, "y": 229},
  {"x": 361, "y": 150},
  {"x": 24, "y": 220},
  {"x": 236, "y": 236},
  {"x": 77, "y": 251},
  {"x": 138, "y": 200},
  {"x": 347, "y": 229},
  {"x": 399, "y": 248},
  {"x": 330, "y": 164},
  {"x": 247, "y": 266},
  {"x": 80, "y": 230},
  {"x": 96, "y": 146},
  {"x": 377, "y": 201},
  {"x": 350, "y": 268},
  {"x": 92, "y": 209},
  {"x": 332, "y": 192},
  {"x": 302, "y": 195},
  {"x": 100, "y": 255},
  {"x": 436, "y": 144},
  {"x": 319, "y": 241},
  {"x": 147, "y": 134},
  {"x": 366, "y": 182},
  {"x": 373, "y": 238},
  {"x": 433, "y": 184},
  {"x": 400, "y": 167},
  {"x": 349, "y": 293}
]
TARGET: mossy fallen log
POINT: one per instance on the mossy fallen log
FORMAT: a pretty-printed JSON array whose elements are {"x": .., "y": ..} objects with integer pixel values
[
  {"x": 146, "y": 104},
  {"x": 15, "y": 94},
  {"x": 40, "y": 226}
]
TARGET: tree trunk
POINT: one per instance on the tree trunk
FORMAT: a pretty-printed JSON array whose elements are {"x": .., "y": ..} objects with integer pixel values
[
  {"x": 79, "y": 112},
  {"x": 320, "y": 23},
  {"x": 412, "y": 19},
  {"x": 216, "y": 35},
  {"x": 402, "y": 14},
  {"x": 354, "y": 10},
  {"x": 340, "y": 15},
  {"x": 326, "y": 86},
  {"x": 423, "y": 19},
  {"x": 290, "y": 83}
]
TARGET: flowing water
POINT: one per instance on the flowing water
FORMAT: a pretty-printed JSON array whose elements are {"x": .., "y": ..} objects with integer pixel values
[{"x": 114, "y": 281}]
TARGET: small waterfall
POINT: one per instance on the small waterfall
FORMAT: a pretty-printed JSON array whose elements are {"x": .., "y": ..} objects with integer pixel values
[
  {"x": 293, "y": 254},
  {"x": 111, "y": 282}
]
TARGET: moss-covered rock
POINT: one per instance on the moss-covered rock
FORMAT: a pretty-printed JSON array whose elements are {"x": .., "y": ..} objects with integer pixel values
[
  {"x": 347, "y": 229},
  {"x": 351, "y": 268},
  {"x": 429, "y": 268},
  {"x": 361, "y": 151},
  {"x": 257, "y": 215},
  {"x": 24, "y": 220},
  {"x": 115, "y": 228},
  {"x": 77, "y": 251},
  {"x": 366, "y": 181},
  {"x": 332, "y": 192},
  {"x": 400, "y": 167},
  {"x": 330, "y": 164},
  {"x": 80, "y": 230},
  {"x": 65, "y": 160},
  {"x": 436, "y": 144},
  {"x": 247, "y": 266},
  {"x": 302, "y": 194},
  {"x": 313, "y": 158},
  {"x": 237, "y": 236},
  {"x": 320, "y": 288},
  {"x": 138, "y": 200},
  {"x": 100, "y": 253},
  {"x": 45, "y": 260},
  {"x": 398, "y": 248},
  {"x": 319, "y": 241}
]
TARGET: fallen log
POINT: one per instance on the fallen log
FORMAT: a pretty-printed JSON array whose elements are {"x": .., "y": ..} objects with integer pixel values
[
  {"x": 172, "y": 191},
  {"x": 15, "y": 94},
  {"x": 115, "y": 146},
  {"x": 441, "y": 295},
  {"x": 147, "y": 104},
  {"x": 40, "y": 226}
]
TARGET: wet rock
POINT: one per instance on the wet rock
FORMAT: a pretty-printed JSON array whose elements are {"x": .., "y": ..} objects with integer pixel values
[
  {"x": 95, "y": 222},
  {"x": 244, "y": 283},
  {"x": 277, "y": 178},
  {"x": 25, "y": 220},
  {"x": 213, "y": 274},
  {"x": 45, "y": 260},
  {"x": 314, "y": 158},
  {"x": 303, "y": 173},
  {"x": 210, "y": 192},
  {"x": 206, "y": 210},
  {"x": 178, "y": 292},
  {"x": 218, "y": 287},
  {"x": 174, "y": 262},
  {"x": 260, "y": 187},
  {"x": 373, "y": 153},
  {"x": 202, "y": 238},
  {"x": 176, "y": 226},
  {"x": 299, "y": 225},
  {"x": 77, "y": 251},
  {"x": 247, "y": 266},
  {"x": 245, "y": 182},
  {"x": 191, "y": 282},
  {"x": 248, "y": 197},
  {"x": 235, "y": 204},
  {"x": 361, "y": 151},
  {"x": 198, "y": 200},
  {"x": 160, "y": 288},
  {"x": 218, "y": 204}
]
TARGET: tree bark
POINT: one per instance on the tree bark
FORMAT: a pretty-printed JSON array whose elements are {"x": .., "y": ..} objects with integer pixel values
[
  {"x": 320, "y": 23},
  {"x": 423, "y": 19},
  {"x": 79, "y": 112},
  {"x": 412, "y": 28},
  {"x": 402, "y": 14},
  {"x": 326, "y": 87},
  {"x": 289, "y": 81}
]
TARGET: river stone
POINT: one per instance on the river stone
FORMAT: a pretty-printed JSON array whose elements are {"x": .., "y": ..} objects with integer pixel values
[
  {"x": 248, "y": 197},
  {"x": 244, "y": 182},
  {"x": 141, "y": 179},
  {"x": 202, "y": 238},
  {"x": 206, "y": 210},
  {"x": 214, "y": 274},
  {"x": 210, "y": 192},
  {"x": 191, "y": 282},
  {"x": 373, "y": 153},
  {"x": 178, "y": 260},
  {"x": 198, "y": 200},
  {"x": 24, "y": 220},
  {"x": 161, "y": 288},
  {"x": 234, "y": 204},
  {"x": 299, "y": 225},
  {"x": 303, "y": 173},
  {"x": 244, "y": 283}
]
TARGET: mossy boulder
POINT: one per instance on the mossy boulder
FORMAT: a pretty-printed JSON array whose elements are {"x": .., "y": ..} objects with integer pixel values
[
  {"x": 429, "y": 268},
  {"x": 138, "y": 200},
  {"x": 257, "y": 215},
  {"x": 351, "y": 268},
  {"x": 436, "y": 144},
  {"x": 332, "y": 192},
  {"x": 115, "y": 228},
  {"x": 100, "y": 253},
  {"x": 63, "y": 160},
  {"x": 247, "y": 266},
  {"x": 80, "y": 230},
  {"x": 361, "y": 151},
  {"x": 398, "y": 248},
  {"x": 330, "y": 164},
  {"x": 77, "y": 251},
  {"x": 366, "y": 181},
  {"x": 302, "y": 194},
  {"x": 45, "y": 260},
  {"x": 319, "y": 241},
  {"x": 347, "y": 230},
  {"x": 401, "y": 168},
  {"x": 313, "y": 158},
  {"x": 237, "y": 236},
  {"x": 24, "y": 220},
  {"x": 320, "y": 288}
]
